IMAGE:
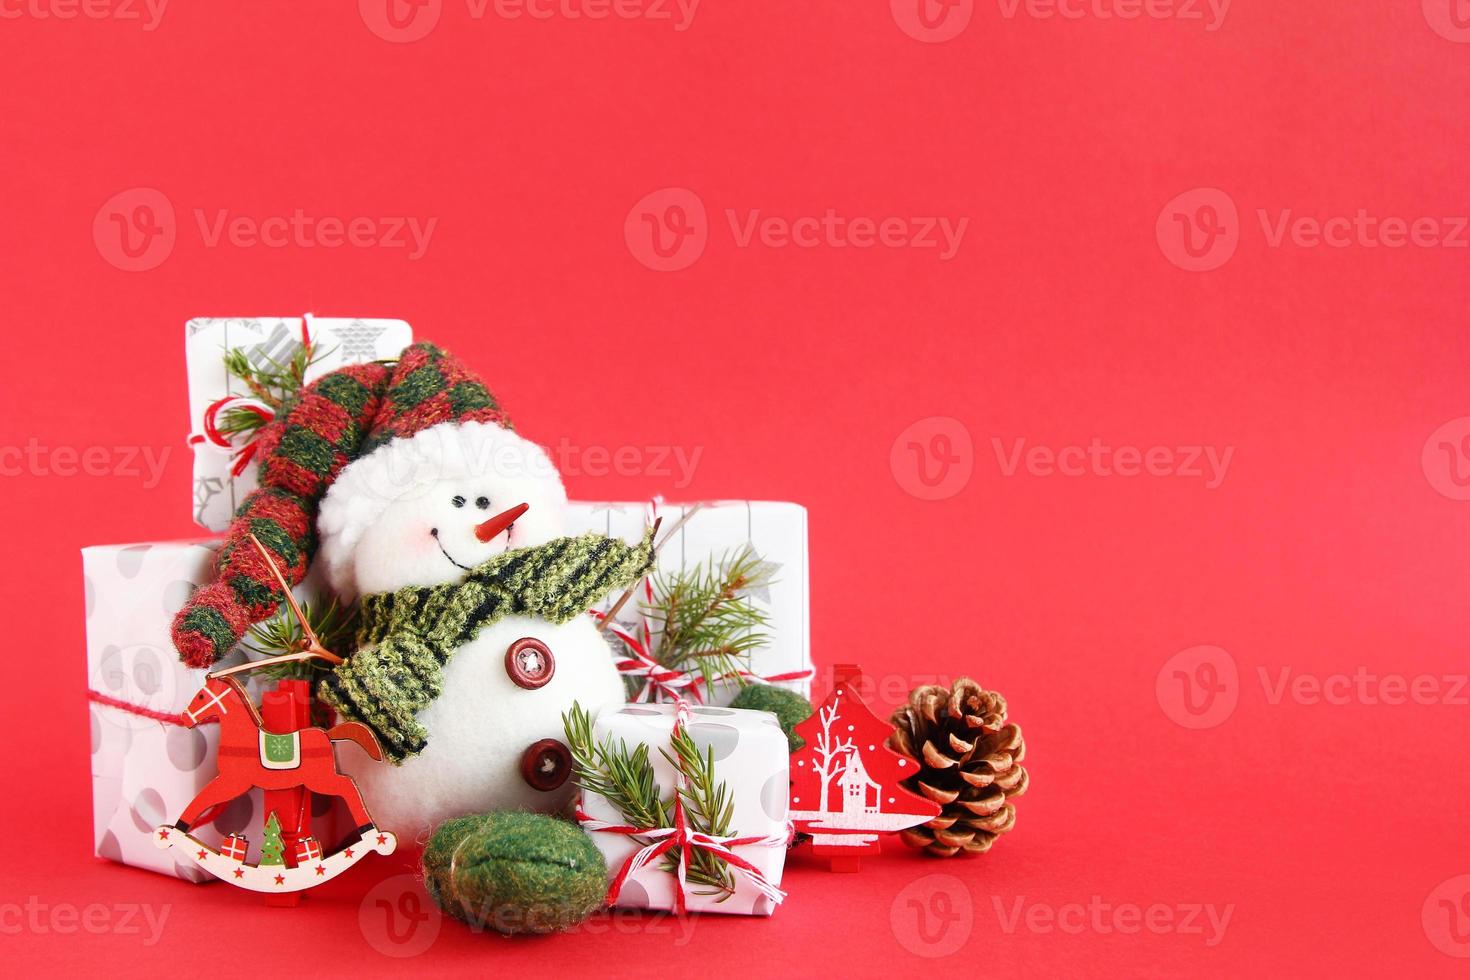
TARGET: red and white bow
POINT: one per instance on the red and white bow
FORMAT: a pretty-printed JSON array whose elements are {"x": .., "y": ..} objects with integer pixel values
[{"x": 244, "y": 452}]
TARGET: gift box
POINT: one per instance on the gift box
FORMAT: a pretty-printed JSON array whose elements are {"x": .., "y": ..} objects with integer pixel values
[
  {"x": 777, "y": 532},
  {"x": 235, "y": 847},
  {"x": 218, "y": 488},
  {"x": 146, "y": 767},
  {"x": 308, "y": 849},
  {"x": 751, "y": 757}
]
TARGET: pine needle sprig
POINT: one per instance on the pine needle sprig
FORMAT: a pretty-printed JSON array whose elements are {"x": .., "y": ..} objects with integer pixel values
[
  {"x": 706, "y": 619},
  {"x": 626, "y": 780},
  {"x": 277, "y": 383},
  {"x": 333, "y": 624}
]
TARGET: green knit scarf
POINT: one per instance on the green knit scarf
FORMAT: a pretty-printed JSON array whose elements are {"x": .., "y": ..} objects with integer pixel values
[{"x": 405, "y": 638}]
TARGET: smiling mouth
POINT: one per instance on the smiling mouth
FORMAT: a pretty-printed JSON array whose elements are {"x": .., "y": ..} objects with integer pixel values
[{"x": 435, "y": 532}]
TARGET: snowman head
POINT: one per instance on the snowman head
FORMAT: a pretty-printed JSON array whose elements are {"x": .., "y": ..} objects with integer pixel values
[{"x": 424, "y": 510}]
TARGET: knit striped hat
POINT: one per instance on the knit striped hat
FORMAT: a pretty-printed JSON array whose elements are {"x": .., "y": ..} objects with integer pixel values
[{"x": 337, "y": 419}]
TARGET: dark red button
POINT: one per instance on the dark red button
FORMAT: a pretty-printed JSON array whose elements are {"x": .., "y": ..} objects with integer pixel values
[
  {"x": 529, "y": 663},
  {"x": 546, "y": 764}
]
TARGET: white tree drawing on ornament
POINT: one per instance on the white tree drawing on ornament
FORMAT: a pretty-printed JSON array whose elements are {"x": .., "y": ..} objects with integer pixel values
[{"x": 830, "y": 751}]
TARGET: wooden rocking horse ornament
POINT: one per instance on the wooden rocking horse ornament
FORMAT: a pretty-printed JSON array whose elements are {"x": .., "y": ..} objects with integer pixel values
[{"x": 252, "y": 757}]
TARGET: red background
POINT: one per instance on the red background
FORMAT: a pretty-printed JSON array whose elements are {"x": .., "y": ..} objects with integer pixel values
[{"x": 1326, "y": 549}]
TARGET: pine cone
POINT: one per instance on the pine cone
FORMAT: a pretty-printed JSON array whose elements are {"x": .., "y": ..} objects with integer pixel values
[{"x": 969, "y": 763}]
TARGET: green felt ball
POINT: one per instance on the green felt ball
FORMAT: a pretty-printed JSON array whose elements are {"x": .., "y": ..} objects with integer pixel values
[
  {"x": 514, "y": 872},
  {"x": 790, "y": 708}
]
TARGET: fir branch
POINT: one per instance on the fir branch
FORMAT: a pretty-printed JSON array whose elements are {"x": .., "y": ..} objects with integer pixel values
[
  {"x": 275, "y": 383},
  {"x": 333, "y": 624},
  {"x": 706, "y": 619}
]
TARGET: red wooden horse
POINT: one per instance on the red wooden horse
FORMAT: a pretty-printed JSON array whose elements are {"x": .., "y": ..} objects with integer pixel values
[{"x": 250, "y": 756}]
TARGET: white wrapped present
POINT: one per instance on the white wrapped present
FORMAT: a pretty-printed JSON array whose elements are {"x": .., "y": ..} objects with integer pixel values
[
  {"x": 775, "y": 530},
  {"x": 145, "y": 766},
  {"x": 336, "y": 341},
  {"x": 752, "y": 759}
]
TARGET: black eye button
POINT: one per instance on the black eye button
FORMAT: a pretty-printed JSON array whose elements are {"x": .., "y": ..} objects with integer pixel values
[
  {"x": 482, "y": 502},
  {"x": 458, "y": 501}
]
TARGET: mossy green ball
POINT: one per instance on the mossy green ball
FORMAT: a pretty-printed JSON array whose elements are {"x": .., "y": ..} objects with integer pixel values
[
  {"x": 514, "y": 872},
  {"x": 790, "y": 708}
]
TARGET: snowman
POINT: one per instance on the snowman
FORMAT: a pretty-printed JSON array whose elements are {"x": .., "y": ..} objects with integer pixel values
[{"x": 448, "y": 528}]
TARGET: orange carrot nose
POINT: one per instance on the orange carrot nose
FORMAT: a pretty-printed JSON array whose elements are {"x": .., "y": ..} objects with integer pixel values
[{"x": 500, "y": 522}]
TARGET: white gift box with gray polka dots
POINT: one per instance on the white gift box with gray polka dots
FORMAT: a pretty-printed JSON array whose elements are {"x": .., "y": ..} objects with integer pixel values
[
  {"x": 144, "y": 771},
  {"x": 752, "y": 757}
]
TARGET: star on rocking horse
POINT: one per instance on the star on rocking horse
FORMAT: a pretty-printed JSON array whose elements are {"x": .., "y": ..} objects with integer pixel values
[{"x": 251, "y": 757}]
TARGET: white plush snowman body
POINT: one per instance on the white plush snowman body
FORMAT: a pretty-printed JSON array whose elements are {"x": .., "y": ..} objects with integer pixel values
[{"x": 423, "y": 511}]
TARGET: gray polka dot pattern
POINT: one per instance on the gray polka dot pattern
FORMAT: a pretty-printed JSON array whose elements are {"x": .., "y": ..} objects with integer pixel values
[
  {"x": 147, "y": 670},
  {"x": 712, "y": 711},
  {"x": 109, "y": 848},
  {"x": 147, "y": 811},
  {"x": 634, "y": 896},
  {"x": 130, "y": 560},
  {"x": 776, "y": 795},
  {"x": 91, "y": 594},
  {"x": 638, "y": 711},
  {"x": 175, "y": 594},
  {"x": 110, "y": 668},
  {"x": 763, "y": 906},
  {"x": 712, "y": 735},
  {"x": 186, "y": 748}
]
